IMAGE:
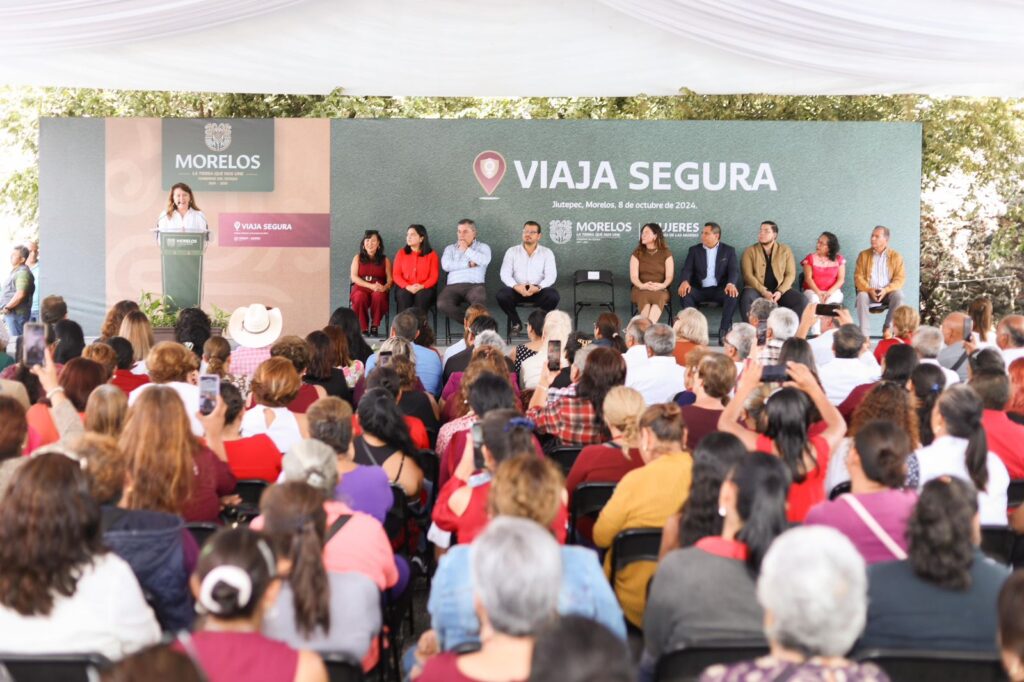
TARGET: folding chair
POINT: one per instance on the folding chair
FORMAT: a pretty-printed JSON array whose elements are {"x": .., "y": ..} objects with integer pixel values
[
  {"x": 50, "y": 667},
  {"x": 589, "y": 279},
  {"x": 202, "y": 530},
  {"x": 565, "y": 456},
  {"x": 1015, "y": 494},
  {"x": 587, "y": 501},
  {"x": 997, "y": 543},
  {"x": 250, "y": 490},
  {"x": 686, "y": 664},
  {"x": 341, "y": 668},
  {"x": 387, "y": 314},
  {"x": 633, "y": 545},
  {"x": 936, "y": 666}
]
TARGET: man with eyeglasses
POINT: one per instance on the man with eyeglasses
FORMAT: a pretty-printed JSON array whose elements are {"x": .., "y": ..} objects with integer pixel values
[{"x": 528, "y": 273}]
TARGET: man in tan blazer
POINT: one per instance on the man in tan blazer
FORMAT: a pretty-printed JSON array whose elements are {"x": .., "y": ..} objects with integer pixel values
[
  {"x": 879, "y": 277},
  {"x": 769, "y": 271}
]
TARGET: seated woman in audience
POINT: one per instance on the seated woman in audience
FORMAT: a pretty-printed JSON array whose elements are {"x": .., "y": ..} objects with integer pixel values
[
  {"x": 897, "y": 366},
  {"x": 104, "y": 355},
  {"x": 351, "y": 367},
  {"x": 387, "y": 378},
  {"x": 608, "y": 332},
  {"x": 385, "y": 441},
  {"x": 172, "y": 365},
  {"x": 158, "y": 547},
  {"x": 926, "y": 383},
  {"x": 13, "y": 431},
  {"x": 516, "y": 572},
  {"x": 346, "y": 320},
  {"x": 297, "y": 350},
  {"x": 813, "y": 590},
  {"x": 192, "y": 329},
  {"x": 169, "y": 470},
  {"x": 315, "y": 609},
  {"x": 105, "y": 411},
  {"x": 461, "y": 506},
  {"x": 578, "y": 649},
  {"x": 235, "y": 584},
  {"x": 691, "y": 328},
  {"x": 274, "y": 385},
  {"x": 715, "y": 455},
  {"x": 217, "y": 360},
  {"x": 413, "y": 401},
  {"x": 646, "y": 498},
  {"x": 60, "y": 589},
  {"x": 455, "y": 394},
  {"x": 136, "y": 329},
  {"x": 390, "y": 348},
  {"x": 77, "y": 381},
  {"x": 487, "y": 391},
  {"x": 875, "y": 513},
  {"x": 961, "y": 449},
  {"x": 69, "y": 341},
  {"x": 360, "y": 543},
  {"x": 578, "y": 419},
  {"x": 250, "y": 457},
  {"x": 323, "y": 367},
  {"x": 942, "y": 596},
  {"x": 528, "y": 487},
  {"x": 905, "y": 322},
  {"x": 557, "y": 327},
  {"x": 115, "y": 316},
  {"x": 889, "y": 401},
  {"x": 707, "y": 592},
  {"x": 1011, "y": 626},
  {"x": 534, "y": 343},
  {"x": 610, "y": 461},
  {"x": 712, "y": 382},
  {"x": 788, "y": 416},
  {"x": 364, "y": 488},
  {"x": 124, "y": 378},
  {"x": 795, "y": 349},
  {"x": 1015, "y": 406}
]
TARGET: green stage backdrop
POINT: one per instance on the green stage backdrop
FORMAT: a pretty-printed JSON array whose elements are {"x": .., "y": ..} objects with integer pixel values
[{"x": 592, "y": 185}]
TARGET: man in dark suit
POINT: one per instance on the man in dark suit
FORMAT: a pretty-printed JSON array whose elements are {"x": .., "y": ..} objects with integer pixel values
[{"x": 717, "y": 283}]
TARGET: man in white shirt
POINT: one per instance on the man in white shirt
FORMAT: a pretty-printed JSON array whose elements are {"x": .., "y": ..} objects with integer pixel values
[
  {"x": 954, "y": 355},
  {"x": 846, "y": 371},
  {"x": 738, "y": 344},
  {"x": 528, "y": 273},
  {"x": 465, "y": 261},
  {"x": 636, "y": 351},
  {"x": 661, "y": 377},
  {"x": 927, "y": 341},
  {"x": 1010, "y": 337}
]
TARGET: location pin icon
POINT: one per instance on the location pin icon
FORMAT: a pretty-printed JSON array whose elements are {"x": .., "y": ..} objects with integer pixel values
[{"x": 489, "y": 169}]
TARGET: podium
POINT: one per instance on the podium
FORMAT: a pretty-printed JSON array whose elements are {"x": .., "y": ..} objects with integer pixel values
[{"x": 181, "y": 265}]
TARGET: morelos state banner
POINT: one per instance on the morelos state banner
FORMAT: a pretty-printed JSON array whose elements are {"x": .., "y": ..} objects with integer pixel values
[
  {"x": 592, "y": 185},
  {"x": 219, "y": 155}
]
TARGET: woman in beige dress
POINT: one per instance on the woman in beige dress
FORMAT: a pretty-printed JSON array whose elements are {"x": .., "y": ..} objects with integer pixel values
[{"x": 651, "y": 269}]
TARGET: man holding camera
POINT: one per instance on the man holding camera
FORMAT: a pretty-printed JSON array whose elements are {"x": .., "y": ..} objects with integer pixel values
[{"x": 879, "y": 277}]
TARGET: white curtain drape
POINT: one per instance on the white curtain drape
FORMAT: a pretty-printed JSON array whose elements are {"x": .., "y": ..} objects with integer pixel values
[{"x": 520, "y": 48}]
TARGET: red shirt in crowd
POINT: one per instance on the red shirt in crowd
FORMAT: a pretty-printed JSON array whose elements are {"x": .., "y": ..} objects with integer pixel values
[
  {"x": 254, "y": 457},
  {"x": 306, "y": 396},
  {"x": 885, "y": 344},
  {"x": 213, "y": 480},
  {"x": 417, "y": 431},
  {"x": 468, "y": 525},
  {"x": 1005, "y": 439},
  {"x": 809, "y": 492},
  {"x": 415, "y": 268},
  {"x": 128, "y": 382}
]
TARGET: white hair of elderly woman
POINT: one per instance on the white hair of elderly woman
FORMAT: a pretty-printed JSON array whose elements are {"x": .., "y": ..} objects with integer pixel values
[
  {"x": 783, "y": 322},
  {"x": 814, "y": 585},
  {"x": 557, "y": 326},
  {"x": 490, "y": 338},
  {"x": 691, "y": 325},
  {"x": 517, "y": 575}
]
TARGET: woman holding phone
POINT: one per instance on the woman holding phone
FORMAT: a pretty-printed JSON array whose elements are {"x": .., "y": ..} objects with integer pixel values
[{"x": 824, "y": 275}]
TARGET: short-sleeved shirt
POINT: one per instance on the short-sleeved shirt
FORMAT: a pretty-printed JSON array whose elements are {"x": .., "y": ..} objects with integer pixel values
[
  {"x": 20, "y": 279},
  {"x": 824, "y": 276}
]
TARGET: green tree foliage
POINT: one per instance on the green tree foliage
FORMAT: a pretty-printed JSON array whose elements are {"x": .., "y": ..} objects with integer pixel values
[{"x": 971, "y": 146}]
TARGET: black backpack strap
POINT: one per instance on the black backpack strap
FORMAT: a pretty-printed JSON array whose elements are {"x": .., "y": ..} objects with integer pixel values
[
  {"x": 960, "y": 361},
  {"x": 336, "y": 526}
]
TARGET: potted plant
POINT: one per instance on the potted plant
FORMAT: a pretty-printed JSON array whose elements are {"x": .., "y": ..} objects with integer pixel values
[{"x": 163, "y": 315}]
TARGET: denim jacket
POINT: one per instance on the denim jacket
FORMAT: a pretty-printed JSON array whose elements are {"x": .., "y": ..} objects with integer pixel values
[{"x": 585, "y": 592}]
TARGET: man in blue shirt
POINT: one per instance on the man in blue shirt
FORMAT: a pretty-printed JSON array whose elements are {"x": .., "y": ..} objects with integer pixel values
[
  {"x": 465, "y": 261},
  {"x": 711, "y": 273},
  {"x": 428, "y": 363}
]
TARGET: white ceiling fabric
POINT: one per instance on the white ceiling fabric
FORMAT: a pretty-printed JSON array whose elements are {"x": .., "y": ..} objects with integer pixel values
[{"x": 518, "y": 48}]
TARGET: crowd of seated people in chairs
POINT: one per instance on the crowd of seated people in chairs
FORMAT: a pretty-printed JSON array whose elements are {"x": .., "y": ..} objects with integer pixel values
[{"x": 795, "y": 505}]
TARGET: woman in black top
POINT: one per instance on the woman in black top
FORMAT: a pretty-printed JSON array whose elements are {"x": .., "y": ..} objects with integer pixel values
[{"x": 323, "y": 367}]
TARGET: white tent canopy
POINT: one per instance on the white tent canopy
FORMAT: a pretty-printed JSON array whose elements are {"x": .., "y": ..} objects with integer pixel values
[{"x": 518, "y": 47}]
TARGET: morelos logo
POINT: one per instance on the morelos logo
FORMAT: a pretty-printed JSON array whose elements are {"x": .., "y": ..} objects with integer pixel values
[
  {"x": 489, "y": 169},
  {"x": 560, "y": 231},
  {"x": 218, "y": 136}
]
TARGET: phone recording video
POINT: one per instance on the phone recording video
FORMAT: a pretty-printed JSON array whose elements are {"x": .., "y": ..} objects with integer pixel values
[
  {"x": 774, "y": 374},
  {"x": 209, "y": 389},
  {"x": 34, "y": 343},
  {"x": 554, "y": 355},
  {"x": 827, "y": 309}
]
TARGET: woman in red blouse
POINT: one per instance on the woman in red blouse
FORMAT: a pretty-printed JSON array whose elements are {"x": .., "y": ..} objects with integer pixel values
[
  {"x": 788, "y": 415},
  {"x": 416, "y": 271},
  {"x": 252, "y": 457}
]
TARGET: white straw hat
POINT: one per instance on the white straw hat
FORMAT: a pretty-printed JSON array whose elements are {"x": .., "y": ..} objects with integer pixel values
[{"x": 255, "y": 326}]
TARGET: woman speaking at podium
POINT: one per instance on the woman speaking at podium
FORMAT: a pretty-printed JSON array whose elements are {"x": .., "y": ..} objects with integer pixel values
[{"x": 182, "y": 214}]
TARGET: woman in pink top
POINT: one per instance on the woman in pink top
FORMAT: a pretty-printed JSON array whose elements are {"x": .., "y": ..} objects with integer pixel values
[{"x": 824, "y": 275}]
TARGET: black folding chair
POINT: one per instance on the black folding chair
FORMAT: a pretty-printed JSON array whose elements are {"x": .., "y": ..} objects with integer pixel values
[
  {"x": 202, "y": 530},
  {"x": 997, "y": 543},
  {"x": 565, "y": 456},
  {"x": 686, "y": 664},
  {"x": 387, "y": 314},
  {"x": 587, "y": 501},
  {"x": 508, "y": 322},
  {"x": 633, "y": 545},
  {"x": 840, "y": 489},
  {"x": 394, "y": 305},
  {"x": 54, "y": 667},
  {"x": 913, "y": 665},
  {"x": 590, "y": 279},
  {"x": 398, "y": 515},
  {"x": 250, "y": 490},
  {"x": 341, "y": 668},
  {"x": 1015, "y": 494}
]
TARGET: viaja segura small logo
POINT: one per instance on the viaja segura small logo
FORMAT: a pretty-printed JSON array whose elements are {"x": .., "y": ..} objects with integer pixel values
[
  {"x": 218, "y": 136},
  {"x": 560, "y": 231}
]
